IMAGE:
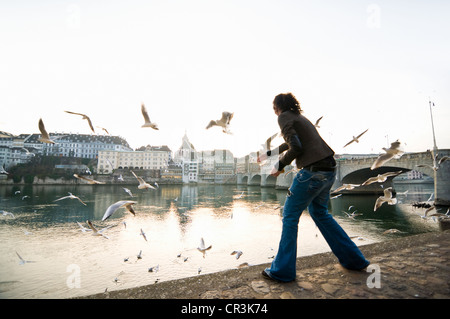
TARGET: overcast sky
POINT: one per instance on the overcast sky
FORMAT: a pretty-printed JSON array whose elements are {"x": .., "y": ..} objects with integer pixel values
[{"x": 360, "y": 64}]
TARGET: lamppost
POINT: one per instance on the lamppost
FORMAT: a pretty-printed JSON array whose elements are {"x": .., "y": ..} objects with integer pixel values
[
  {"x": 434, "y": 152},
  {"x": 432, "y": 127}
]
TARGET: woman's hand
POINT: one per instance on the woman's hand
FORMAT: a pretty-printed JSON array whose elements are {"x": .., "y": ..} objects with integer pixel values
[{"x": 275, "y": 172}]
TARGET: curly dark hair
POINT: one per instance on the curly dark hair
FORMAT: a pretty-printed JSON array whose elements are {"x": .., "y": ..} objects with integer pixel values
[{"x": 287, "y": 101}]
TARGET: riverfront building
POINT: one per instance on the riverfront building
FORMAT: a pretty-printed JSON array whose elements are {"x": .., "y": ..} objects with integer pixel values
[{"x": 16, "y": 149}]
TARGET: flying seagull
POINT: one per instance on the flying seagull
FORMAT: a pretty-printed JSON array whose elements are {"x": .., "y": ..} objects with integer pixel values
[
  {"x": 90, "y": 181},
  {"x": 356, "y": 139},
  {"x": 83, "y": 229},
  {"x": 95, "y": 231},
  {"x": 5, "y": 213},
  {"x": 202, "y": 247},
  {"x": 103, "y": 129},
  {"x": 393, "y": 151},
  {"x": 71, "y": 196},
  {"x": 223, "y": 122},
  {"x": 380, "y": 178},
  {"x": 84, "y": 117},
  {"x": 142, "y": 183},
  {"x": 128, "y": 191},
  {"x": 122, "y": 203},
  {"x": 143, "y": 234},
  {"x": 266, "y": 146},
  {"x": 317, "y": 122},
  {"x": 45, "y": 138},
  {"x": 346, "y": 187},
  {"x": 386, "y": 198},
  {"x": 23, "y": 261},
  {"x": 238, "y": 253},
  {"x": 147, "y": 123}
]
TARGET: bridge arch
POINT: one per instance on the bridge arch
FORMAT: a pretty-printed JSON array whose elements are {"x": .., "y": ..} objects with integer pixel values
[
  {"x": 255, "y": 180},
  {"x": 270, "y": 181}
]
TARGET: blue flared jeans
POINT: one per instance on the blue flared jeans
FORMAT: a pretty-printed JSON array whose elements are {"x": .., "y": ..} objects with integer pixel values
[{"x": 312, "y": 190}]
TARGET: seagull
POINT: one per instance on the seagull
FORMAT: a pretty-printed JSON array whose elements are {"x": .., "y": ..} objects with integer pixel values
[
  {"x": 387, "y": 198},
  {"x": 147, "y": 123},
  {"x": 95, "y": 231},
  {"x": 238, "y": 253},
  {"x": 90, "y": 181},
  {"x": 128, "y": 191},
  {"x": 139, "y": 256},
  {"x": 71, "y": 196},
  {"x": 346, "y": 187},
  {"x": 122, "y": 203},
  {"x": 3, "y": 171},
  {"x": 356, "y": 139},
  {"x": 380, "y": 178},
  {"x": 143, "y": 234},
  {"x": 27, "y": 152},
  {"x": 23, "y": 261},
  {"x": 202, "y": 248},
  {"x": 223, "y": 122},
  {"x": 120, "y": 178},
  {"x": 5, "y": 213},
  {"x": 443, "y": 159},
  {"x": 352, "y": 215},
  {"x": 154, "y": 269},
  {"x": 103, "y": 129},
  {"x": 45, "y": 138},
  {"x": 394, "y": 151},
  {"x": 317, "y": 122},
  {"x": 83, "y": 229},
  {"x": 142, "y": 183},
  {"x": 267, "y": 145},
  {"x": 84, "y": 117}
]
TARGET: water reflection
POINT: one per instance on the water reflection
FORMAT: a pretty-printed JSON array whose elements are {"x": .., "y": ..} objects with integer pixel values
[{"x": 174, "y": 218}]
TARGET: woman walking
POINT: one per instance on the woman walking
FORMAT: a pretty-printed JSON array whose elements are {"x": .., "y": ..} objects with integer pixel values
[{"x": 310, "y": 189}]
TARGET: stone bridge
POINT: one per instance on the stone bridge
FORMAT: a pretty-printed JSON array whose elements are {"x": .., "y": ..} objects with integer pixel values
[{"x": 357, "y": 170}]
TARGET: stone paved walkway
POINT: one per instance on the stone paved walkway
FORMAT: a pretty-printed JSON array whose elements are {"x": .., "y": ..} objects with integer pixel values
[{"x": 414, "y": 267}]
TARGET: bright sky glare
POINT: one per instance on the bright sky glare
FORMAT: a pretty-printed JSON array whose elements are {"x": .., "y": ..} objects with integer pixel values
[{"x": 360, "y": 64}]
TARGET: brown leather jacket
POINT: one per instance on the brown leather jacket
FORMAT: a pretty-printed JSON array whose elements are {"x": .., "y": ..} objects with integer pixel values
[{"x": 302, "y": 141}]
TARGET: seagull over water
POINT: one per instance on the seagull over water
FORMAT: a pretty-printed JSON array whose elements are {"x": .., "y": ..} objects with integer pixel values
[
  {"x": 143, "y": 235},
  {"x": 89, "y": 180},
  {"x": 83, "y": 229},
  {"x": 386, "y": 198},
  {"x": 224, "y": 122},
  {"x": 128, "y": 191},
  {"x": 84, "y": 117},
  {"x": 23, "y": 261},
  {"x": 238, "y": 253},
  {"x": 346, "y": 187},
  {"x": 71, "y": 196},
  {"x": 122, "y": 203},
  {"x": 5, "y": 213},
  {"x": 202, "y": 247},
  {"x": 394, "y": 151},
  {"x": 356, "y": 139},
  {"x": 45, "y": 138},
  {"x": 380, "y": 178},
  {"x": 147, "y": 123},
  {"x": 95, "y": 231},
  {"x": 142, "y": 183}
]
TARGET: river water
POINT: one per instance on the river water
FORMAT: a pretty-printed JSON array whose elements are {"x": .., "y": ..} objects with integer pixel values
[{"x": 67, "y": 262}]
